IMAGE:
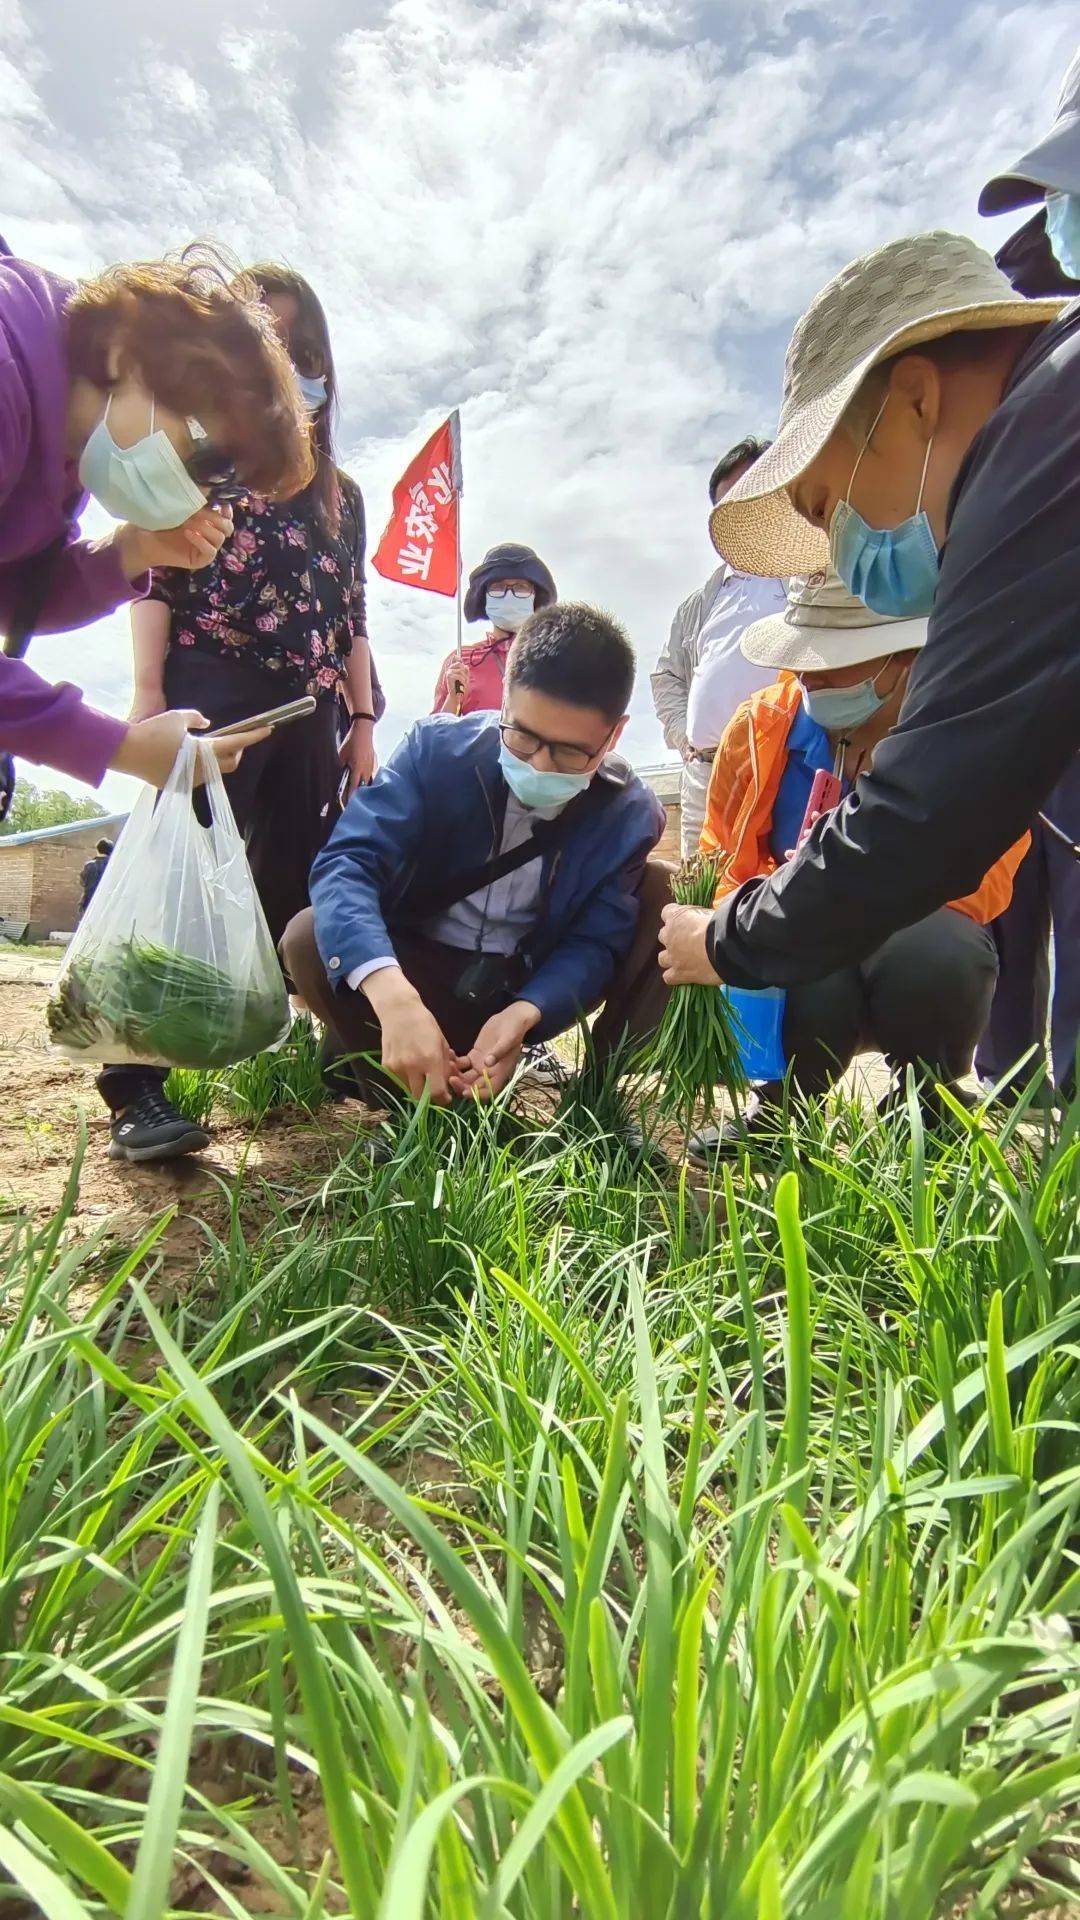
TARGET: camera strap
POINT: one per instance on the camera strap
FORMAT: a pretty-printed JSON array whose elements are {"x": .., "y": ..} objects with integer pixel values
[{"x": 546, "y": 837}]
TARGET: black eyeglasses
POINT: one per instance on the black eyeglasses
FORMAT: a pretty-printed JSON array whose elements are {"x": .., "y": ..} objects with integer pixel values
[{"x": 566, "y": 758}]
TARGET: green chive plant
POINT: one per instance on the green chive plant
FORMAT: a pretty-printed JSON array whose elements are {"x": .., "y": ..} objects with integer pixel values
[{"x": 522, "y": 1538}]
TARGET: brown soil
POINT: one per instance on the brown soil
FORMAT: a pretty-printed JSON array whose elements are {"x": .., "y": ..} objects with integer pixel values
[{"x": 44, "y": 1097}]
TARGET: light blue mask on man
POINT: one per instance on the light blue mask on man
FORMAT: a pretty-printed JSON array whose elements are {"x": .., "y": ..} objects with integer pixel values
[
  {"x": 146, "y": 483},
  {"x": 892, "y": 570},
  {"x": 534, "y": 788},
  {"x": 1063, "y": 231}
]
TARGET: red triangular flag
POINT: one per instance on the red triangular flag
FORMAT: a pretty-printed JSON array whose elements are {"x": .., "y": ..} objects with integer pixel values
[{"x": 421, "y": 544}]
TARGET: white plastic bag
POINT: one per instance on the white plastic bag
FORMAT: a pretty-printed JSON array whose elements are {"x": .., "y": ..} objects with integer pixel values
[{"x": 173, "y": 965}]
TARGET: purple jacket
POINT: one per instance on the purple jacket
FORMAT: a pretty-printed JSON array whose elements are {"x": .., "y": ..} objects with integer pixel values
[
  {"x": 50, "y": 725},
  {"x": 41, "y": 499}
]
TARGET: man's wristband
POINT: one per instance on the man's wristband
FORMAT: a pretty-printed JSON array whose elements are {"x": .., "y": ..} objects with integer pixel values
[{"x": 361, "y": 716}]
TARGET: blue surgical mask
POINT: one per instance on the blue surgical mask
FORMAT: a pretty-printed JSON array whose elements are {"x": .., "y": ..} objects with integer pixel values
[
  {"x": 1063, "y": 231},
  {"x": 313, "y": 391},
  {"x": 892, "y": 570},
  {"x": 844, "y": 710},
  {"x": 147, "y": 483},
  {"x": 536, "y": 789},
  {"x": 508, "y": 610}
]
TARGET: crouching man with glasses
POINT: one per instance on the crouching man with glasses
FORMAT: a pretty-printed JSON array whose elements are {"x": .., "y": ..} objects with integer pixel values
[{"x": 493, "y": 883}]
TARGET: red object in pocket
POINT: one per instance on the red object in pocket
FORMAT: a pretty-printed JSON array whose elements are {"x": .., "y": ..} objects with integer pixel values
[{"x": 825, "y": 794}]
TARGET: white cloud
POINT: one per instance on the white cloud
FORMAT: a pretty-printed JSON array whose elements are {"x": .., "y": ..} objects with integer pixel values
[{"x": 588, "y": 222}]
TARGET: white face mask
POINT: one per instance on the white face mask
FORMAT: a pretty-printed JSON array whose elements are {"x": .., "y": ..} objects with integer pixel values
[
  {"x": 147, "y": 483},
  {"x": 507, "y": 609},
  {"x": 312, "y": 390}
]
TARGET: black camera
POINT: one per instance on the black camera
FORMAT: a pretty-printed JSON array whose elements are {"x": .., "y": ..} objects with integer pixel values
[{"x": 489, "y": 976}]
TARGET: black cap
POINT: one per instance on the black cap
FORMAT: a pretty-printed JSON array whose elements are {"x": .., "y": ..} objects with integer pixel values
[
  {"x": 1031, "y": 264},
  {"x": 1052, "y": 165}
]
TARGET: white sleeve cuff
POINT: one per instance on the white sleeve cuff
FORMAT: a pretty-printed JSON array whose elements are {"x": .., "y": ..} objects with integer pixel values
[{"x": 359, "y": 974}]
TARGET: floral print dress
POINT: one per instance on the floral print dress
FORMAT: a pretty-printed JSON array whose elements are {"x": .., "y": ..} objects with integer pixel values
[{"x": 284, "y": 595}]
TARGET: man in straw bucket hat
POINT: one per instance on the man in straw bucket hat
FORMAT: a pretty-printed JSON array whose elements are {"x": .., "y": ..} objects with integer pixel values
[
  {"x": 839, "y": 673},
  {"x": 929, "y": 443}
]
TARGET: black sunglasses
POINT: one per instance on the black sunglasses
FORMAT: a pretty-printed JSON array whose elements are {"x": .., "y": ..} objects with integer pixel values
[{"x": 216, "y": 475}]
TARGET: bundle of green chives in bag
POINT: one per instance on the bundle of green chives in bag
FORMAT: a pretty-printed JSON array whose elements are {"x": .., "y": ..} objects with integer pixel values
[
  {"x": 153, "y": 1003},
  {"x": 696, "y": 1051}
]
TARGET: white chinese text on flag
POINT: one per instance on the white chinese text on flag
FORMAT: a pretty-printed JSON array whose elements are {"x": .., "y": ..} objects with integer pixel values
[{"x": 421, "y": 544}]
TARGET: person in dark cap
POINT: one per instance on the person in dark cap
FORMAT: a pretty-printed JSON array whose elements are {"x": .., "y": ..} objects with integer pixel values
[
  {"x": 1043, "y": 257},
  {"x": 510, "y": 583},
  {"x": 1039, "y": 259}
]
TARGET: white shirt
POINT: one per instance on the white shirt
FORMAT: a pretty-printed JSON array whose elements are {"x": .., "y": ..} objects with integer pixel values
[
  {"x": 673, "y": 674},
  {"x": 498, "y": 917},
  {"x": 724, "y": 678}
]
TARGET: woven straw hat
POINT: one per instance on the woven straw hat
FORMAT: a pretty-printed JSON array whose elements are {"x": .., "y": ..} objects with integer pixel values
[
  {"x": 825, "y": 626},
  {"x": 1052, "y": 165},
  {"x": 904, "y": 294}
]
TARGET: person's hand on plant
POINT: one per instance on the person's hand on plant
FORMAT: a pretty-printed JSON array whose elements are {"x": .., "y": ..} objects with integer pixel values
[
  {"x": 486, "y": 1069},
  {"x": 684, "y": 961},
  {"x": 191, "y": 546},
  {"x": 357, "y": 754},
  {"x": 414, "y": 1048}
]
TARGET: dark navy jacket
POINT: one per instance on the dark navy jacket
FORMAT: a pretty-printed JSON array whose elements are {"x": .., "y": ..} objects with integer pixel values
[{"x": 435, "y": 810}]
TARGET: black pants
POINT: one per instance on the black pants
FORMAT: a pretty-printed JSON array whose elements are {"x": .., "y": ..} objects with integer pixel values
[
  {"x": 922, "y": 999},
  {"x": 633, "y": 1005},
  {"x": 1046, "y": 895},
  {"x": 283, "y": 793}
]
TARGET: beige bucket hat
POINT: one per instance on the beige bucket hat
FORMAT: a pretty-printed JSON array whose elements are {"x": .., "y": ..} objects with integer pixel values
[
  {"x": 910, "y": 291},
  {"x": 824, "y": 626}
]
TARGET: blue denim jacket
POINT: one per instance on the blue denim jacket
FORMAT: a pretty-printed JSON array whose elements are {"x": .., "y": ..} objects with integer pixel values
[{"x": 434, "y": 810}]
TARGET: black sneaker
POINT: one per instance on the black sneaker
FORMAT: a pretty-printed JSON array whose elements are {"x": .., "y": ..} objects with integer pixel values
[
  {"x": 758, "y": 1125},
  {"x": 542, "y": 1065},
  {"x": 152, "y": 1129}
]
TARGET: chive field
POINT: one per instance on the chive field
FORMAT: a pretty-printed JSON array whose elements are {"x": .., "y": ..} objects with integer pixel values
[{"x": 515, "y": 1531}]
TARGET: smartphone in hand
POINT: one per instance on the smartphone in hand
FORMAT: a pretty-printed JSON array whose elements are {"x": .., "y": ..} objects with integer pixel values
[{"x": 273, "y": 718}]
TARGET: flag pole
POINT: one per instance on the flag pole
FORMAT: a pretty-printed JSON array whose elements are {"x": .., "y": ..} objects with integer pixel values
[
  {"x": 459, "y": 657},
  {"x": 455, "y": 442}
]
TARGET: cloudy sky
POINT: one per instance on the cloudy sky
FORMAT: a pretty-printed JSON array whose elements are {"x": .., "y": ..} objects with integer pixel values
[{"x": 588, "y": 223}]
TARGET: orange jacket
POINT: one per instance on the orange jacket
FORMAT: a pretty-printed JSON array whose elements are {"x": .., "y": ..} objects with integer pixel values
[{"x": 746, "y": 776}]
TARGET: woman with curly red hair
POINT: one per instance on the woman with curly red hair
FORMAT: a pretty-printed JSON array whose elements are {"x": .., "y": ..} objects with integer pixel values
[{"x": 143, "y": 386}]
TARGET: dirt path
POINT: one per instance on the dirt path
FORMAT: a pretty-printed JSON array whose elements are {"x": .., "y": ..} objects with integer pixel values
[{"x": 42, "y": 1097}]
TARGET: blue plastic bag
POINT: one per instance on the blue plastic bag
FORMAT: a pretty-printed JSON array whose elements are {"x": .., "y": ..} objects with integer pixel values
[{"x": 760, "y": 1031}]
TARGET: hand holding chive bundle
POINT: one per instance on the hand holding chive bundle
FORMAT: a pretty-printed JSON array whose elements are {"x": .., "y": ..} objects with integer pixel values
[{"x": 696, "y": 1050}]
